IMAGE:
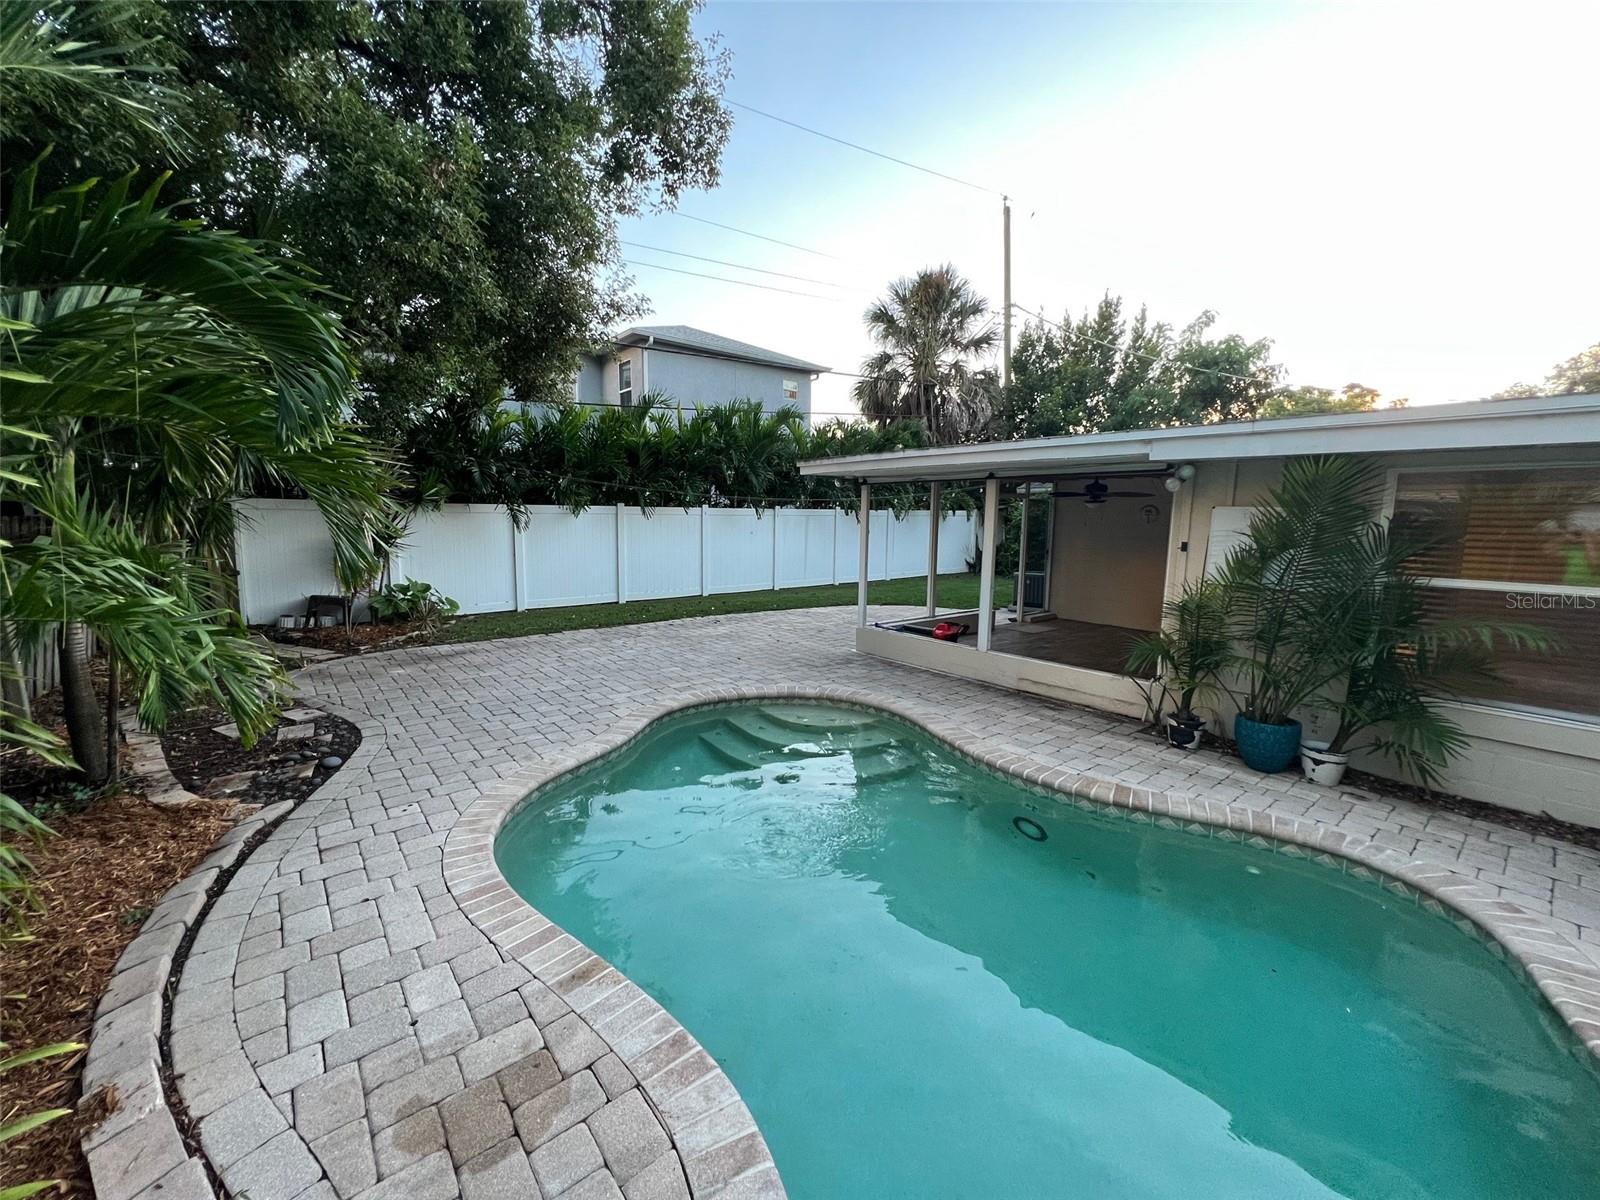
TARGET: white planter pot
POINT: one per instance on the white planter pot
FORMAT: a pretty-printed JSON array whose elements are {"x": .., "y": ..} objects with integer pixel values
[
  {"x": 1184, "y": 737},
  {"x": 1321, "y": 766}
]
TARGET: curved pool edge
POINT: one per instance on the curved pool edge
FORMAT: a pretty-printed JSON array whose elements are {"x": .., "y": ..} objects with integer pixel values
[{"x": 719, "y": 1143}]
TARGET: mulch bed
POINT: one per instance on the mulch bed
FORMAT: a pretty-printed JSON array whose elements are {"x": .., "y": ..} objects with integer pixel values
[
  {"x": 358, "y": 639},
  {"x": 98, "y": 879},
  {"x": 290, "y": 767},
  {"x": 113, "y": 857}
]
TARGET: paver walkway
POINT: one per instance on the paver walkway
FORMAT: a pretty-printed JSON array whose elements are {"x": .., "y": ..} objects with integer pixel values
[{"x": 343, "y": 1030}]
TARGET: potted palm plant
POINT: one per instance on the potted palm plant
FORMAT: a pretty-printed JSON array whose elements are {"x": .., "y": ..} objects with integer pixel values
[
  {"x": 1400, "y": 664},
  {"x": 1185, "y": 656},
  {"x": 1284, "y": 586}
]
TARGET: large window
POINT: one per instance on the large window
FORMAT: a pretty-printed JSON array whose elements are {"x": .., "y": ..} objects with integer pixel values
[
  {"x": 625, "y": 383},
  {"x": 1519, "y": 545}
]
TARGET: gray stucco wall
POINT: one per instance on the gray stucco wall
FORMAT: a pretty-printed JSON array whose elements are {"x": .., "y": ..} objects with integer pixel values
[{"x": 691, "y": 381}]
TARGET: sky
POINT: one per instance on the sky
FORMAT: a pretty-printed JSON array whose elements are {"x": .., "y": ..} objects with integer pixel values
[{"x": 1400, "y": 195}]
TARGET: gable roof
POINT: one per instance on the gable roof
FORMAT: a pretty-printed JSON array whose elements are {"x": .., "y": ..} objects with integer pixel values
[
  {"x": 713, "y": 344},
  {"x": 1471, "y": 425}
]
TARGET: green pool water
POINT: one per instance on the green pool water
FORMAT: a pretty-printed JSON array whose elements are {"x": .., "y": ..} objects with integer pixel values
[{"x": 918, "y": 998}]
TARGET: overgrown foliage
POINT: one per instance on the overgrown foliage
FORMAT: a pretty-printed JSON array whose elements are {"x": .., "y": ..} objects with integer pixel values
[
  {"x": 652, "y": 455},
  {"x": 153, "y": 369}
]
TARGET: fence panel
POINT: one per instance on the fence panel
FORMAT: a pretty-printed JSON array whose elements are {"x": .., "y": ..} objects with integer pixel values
[
  {"x": 958, "y": 542},
  {"x": 805, "y": 546},
  {"x": 660, "y": 553},
  {"x": 283, "y": 555},
  {"x": 470, "y": 546},
  {"x": 739, "y": 549},
  {"x": 566, "y": 559}
]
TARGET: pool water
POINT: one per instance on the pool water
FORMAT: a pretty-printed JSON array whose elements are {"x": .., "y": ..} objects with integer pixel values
[{"x": 918, "y": 997}]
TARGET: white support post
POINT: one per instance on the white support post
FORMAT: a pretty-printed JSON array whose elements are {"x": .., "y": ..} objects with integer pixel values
[
  {"x": 864, "y": 516},
  {"x": 1020, "y": 600},
  {"x": 935, "y": 499},
  {"x": 991, "y": 544}
]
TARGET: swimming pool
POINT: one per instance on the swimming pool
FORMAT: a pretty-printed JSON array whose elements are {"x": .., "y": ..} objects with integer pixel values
[{"x": 927, "y": 980}]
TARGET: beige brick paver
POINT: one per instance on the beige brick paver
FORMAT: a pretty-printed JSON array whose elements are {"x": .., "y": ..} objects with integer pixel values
[{"x": 341, "y": 977}]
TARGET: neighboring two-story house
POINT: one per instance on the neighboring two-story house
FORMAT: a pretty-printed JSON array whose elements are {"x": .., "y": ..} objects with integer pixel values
[{"x": 692, "y": 367}]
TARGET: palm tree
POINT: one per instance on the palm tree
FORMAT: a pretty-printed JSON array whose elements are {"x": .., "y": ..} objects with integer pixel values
[
  {"x": 155, "y": 369},
  {"x": 929, "y": 330}
]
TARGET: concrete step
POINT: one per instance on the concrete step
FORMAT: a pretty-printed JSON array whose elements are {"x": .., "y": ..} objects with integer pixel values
[
  {"x": 734, "y": 748},
  {"x": 876, "y": 766},
  {"x": 817, "y": 718}
]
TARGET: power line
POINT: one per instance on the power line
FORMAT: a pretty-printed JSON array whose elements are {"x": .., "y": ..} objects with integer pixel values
[
  {"x": 765, "y": 287},
  {"x": 866, "y": 149},
  {"x": 722, "y": 262},
  {"x": 761, "y": 236}
]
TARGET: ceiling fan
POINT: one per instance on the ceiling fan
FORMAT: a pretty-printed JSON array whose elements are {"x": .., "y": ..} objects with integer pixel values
[{"x": 1096, "y": 492}]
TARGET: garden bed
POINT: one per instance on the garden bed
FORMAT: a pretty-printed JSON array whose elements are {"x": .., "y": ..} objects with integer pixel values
[
  {"x": 358, "y": 639},
  {"x": 97, "y": 879},
  {"x": 287, "y": 763}
]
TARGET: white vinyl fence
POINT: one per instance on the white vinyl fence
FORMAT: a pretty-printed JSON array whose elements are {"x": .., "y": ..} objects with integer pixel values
[{"x": 473, "y": 553}]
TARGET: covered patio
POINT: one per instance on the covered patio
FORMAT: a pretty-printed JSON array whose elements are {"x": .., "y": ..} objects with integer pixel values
[{"x": 1114, "y": 525}]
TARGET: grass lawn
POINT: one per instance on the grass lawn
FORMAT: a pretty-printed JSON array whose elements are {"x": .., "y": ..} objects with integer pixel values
[{"x": 955, "y": 591}]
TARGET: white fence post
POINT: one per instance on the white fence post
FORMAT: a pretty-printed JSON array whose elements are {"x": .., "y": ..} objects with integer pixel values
[
  {"x": 705, "y": 571},
  {"x": 518, "y": 589},
  {"x": 622, "y": 554}
]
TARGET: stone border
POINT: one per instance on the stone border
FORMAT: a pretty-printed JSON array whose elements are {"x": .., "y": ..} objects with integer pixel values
[
  {"x": 150, "y": 765},
  {"x": 137, "y": 1152},
  {"x": 699, "y": 1107}
]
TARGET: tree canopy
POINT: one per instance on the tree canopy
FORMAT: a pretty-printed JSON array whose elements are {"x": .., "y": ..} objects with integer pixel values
[
  {"x": 453, "y": 171},
  {"x": 1575, "y": 376},
  {"x": 1106, "y": 372}
]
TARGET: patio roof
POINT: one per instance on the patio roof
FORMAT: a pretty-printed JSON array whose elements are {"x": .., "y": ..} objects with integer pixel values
[{"x": 1479, "y": 424}]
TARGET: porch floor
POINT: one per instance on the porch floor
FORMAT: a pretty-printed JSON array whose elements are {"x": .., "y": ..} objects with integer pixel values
[{"x": 1072, "y": 643}]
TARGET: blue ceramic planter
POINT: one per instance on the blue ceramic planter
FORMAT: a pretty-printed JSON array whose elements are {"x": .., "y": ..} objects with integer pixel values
[{"x": 1266, "y": 748}]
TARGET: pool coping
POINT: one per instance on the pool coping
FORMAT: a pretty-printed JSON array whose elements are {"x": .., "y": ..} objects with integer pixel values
[{"x": 716, "y": 1136}]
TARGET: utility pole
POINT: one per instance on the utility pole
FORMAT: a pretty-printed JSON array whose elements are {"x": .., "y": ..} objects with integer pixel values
[{"x": 1005, "y": 361}]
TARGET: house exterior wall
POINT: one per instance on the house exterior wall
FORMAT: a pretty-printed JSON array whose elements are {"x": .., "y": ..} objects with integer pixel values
[
  {"x": 1517, "y": 759},
  {"x": 1108, "y": 564},
  {"x": 691, "y": 380},
  {"x": 1521, "y": 760},
  {"x": 588, "y": 385}
]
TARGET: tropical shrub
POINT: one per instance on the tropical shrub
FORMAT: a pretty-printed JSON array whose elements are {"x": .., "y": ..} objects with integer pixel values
[
  {"x": 153, "y": 369},
  {"x": 652, "y": 455},
  {"x": 412, "y": 600},
  {"x": 1286, "y": 580},
  {"x": 1188, "y": 653},
  {"x": 1331, "y": 617}
]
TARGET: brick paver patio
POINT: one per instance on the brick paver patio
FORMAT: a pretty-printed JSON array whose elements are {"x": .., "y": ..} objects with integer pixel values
[{"x": 343, "y": 1029}]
